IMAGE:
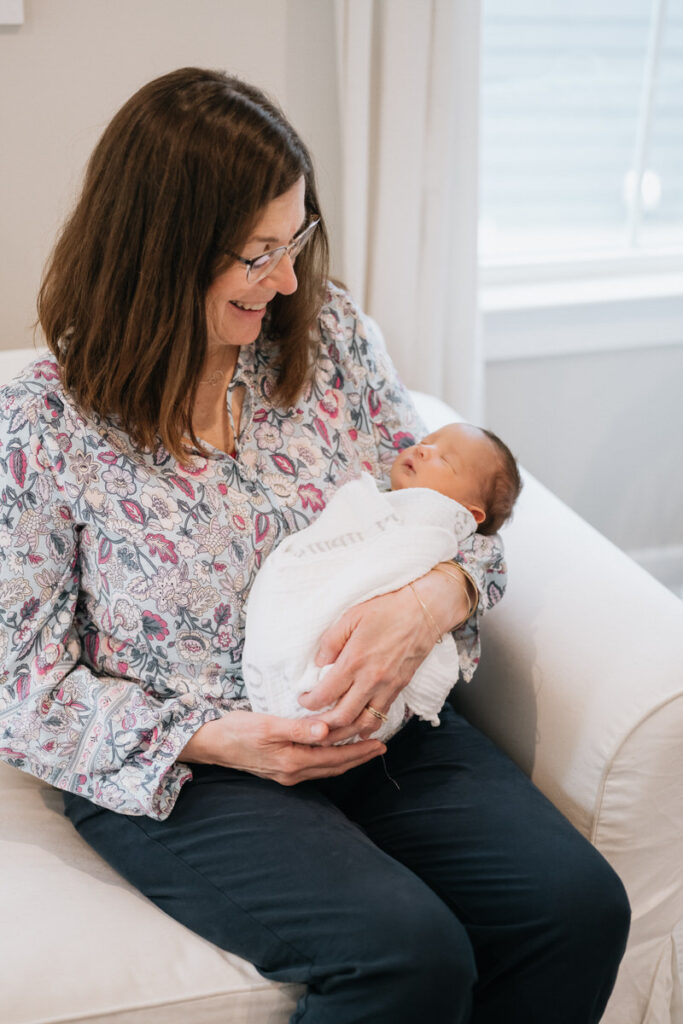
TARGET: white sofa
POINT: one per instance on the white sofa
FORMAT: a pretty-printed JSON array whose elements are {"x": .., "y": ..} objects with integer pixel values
[{"x": 581, "y": 682}]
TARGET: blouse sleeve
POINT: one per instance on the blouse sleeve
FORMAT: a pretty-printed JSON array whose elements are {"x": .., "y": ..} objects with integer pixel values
[
  {"x": 395, "y": 424},
  {"x": 102, "y": 737}
]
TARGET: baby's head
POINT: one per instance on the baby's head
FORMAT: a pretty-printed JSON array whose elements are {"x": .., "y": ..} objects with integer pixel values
[{"x": 468, "y": 464}]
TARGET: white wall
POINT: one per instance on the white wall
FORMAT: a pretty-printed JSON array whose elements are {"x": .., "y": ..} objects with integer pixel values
[
  {"x": 66, "y": 71},
  {"x": 604, "y": 431}
]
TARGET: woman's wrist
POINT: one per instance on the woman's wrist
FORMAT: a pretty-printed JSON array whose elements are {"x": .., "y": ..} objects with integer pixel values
[
  {"x": 449, "y": 596},
  {"x": 462, "y": 578},
  {"x": 429, "y": 618},
  {"x": 201, "y": 747}
]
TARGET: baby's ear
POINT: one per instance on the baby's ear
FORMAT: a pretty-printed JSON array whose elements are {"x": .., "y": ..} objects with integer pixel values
[{"x": 478, "y": 513}]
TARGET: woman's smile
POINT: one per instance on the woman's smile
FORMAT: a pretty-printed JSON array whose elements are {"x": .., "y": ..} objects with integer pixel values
[{"x": 235, "y": 308}]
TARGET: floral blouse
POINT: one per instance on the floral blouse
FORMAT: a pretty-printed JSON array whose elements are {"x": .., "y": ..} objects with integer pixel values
[{"x": 124, "y": 575}]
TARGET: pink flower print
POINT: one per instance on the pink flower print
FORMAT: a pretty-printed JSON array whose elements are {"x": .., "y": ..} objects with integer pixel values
[
  {"x": 222, "y": 613},
  {"x": 195, "y": 468},
  {"x": 335, "y": 328},
  {"x": 29, "y": 608},
  {"x": 109, "y": 458},
  {"x": 17, "y": 461},
  {"x": 268, "y": 437},
  {"x": 224, "y": 638},
  {"x": 47, "y": 659},
  {"x": 46, "y": 369},
  {"x": 159, "y": 545},
  {"x": 64, "y": 442},
  {"x": 402, "y": 439},
  {"x": 311, "y": 497},
  {"x": 330, "y": 405},
  {"x": 374, "y": 402},
  {"x": 153, "y": 626},
  {"x": 192, "y": 647},
  {"x": 22, "y": 636},
  {"x": 183, "y": 485}
]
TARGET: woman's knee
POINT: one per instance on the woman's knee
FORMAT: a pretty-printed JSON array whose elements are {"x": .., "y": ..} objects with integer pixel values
[
  {"x": 591, "y": 910},
  {"x": 429, "y": 956},
  {"x": 600, "y": 907}
]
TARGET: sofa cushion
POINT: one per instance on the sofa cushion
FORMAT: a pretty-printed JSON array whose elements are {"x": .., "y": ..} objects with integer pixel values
[{"x": 79, "y": 943}]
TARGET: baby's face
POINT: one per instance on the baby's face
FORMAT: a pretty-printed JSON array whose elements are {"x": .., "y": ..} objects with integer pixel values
[{"x": 454, "y": 461}]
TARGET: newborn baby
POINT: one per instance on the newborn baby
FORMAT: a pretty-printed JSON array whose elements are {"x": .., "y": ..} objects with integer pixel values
[{"x": 458, "y": 480}]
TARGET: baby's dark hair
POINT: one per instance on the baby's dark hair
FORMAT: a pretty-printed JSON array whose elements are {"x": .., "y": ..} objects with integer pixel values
[{"x": 501, "y": 489}]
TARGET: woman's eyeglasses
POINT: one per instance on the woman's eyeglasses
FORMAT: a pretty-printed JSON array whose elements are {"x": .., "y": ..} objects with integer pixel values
[{"x": 260, "y": 266}]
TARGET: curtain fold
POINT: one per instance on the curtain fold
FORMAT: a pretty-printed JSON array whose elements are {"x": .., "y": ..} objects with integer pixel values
[{"x": 408, "y": 78}]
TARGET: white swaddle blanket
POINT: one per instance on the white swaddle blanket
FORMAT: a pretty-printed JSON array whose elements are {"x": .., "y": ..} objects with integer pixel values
[{"x": 364, "y": 543}]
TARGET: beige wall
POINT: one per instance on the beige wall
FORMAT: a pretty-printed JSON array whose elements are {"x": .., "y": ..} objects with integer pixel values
[
  {"x": 74, "y": 62},
  {"x": 603, "y": 431}
]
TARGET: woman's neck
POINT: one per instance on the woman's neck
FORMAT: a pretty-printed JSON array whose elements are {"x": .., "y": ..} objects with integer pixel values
[{"x": 210, "y": 419}]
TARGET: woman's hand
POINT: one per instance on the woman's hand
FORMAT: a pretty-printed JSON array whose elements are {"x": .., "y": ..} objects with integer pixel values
[
  {"x": 286, "y": 750},
  {"x": 375, "y": 649}
]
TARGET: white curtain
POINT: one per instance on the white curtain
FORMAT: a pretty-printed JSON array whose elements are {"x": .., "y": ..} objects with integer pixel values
[{"x": 409, "y": 89}]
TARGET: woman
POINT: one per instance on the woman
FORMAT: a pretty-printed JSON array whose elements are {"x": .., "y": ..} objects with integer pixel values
[{"x": 202, "y": 401}]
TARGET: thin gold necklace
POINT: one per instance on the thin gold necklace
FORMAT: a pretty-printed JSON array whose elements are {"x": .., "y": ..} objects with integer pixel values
[{"x": 216, "y": 377}]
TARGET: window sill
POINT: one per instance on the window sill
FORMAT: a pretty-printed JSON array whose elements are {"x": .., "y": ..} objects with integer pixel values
[{"x": 597, "y": 314}]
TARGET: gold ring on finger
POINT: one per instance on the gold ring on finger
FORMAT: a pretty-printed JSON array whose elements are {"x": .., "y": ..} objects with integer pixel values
[{"x": 376, "y": 713}]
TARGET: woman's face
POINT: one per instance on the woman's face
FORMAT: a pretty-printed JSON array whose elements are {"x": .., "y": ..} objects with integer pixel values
[{"x": 234, "y": 307}]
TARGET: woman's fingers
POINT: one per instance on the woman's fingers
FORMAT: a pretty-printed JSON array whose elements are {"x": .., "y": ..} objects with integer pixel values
[
  {"x": 285, "y": 750},
  {"x": 332, "y": 686},
  {"x": 350, "y": 717},
  {"x": 303, "y": 763},
  {"x": 334, "y": 638},
  {"x": 364, "y": 726}
]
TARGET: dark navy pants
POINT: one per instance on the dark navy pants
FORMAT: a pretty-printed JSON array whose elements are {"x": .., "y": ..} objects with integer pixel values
[{"x": 462, "y": 895}]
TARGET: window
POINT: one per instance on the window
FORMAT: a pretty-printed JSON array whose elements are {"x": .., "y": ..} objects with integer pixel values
[
  {"x": 579, "y": 103},
  {"x": 577, "y": 100}
]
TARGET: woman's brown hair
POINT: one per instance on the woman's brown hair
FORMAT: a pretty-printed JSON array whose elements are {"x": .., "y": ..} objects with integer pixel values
[{"x": 177, "y": 181}]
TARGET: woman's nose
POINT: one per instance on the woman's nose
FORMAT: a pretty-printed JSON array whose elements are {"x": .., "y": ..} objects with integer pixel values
[{"x": 283, "y": 277}]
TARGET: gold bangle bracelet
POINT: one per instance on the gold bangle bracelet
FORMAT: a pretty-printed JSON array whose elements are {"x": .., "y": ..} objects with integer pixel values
[
  {"x": 427, "y": 614},
  {"x": 456, "y": 573}
]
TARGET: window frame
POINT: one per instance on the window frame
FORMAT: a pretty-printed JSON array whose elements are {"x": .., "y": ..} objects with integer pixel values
[{"x": 596, "y": 301}]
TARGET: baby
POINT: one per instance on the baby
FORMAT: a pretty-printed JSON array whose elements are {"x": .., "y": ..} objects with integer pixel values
[{"x": 458, "y": 480}]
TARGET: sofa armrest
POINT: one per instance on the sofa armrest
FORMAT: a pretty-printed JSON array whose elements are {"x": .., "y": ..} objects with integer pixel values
[{"x": 581, "y": 683}]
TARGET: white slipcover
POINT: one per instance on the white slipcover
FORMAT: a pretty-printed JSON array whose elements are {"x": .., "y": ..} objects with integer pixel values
[{"x": 580, "y": 681}]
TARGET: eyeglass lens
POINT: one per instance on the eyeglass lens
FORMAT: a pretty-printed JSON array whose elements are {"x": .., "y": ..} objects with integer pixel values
[{"x": 269, "y": 261}]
